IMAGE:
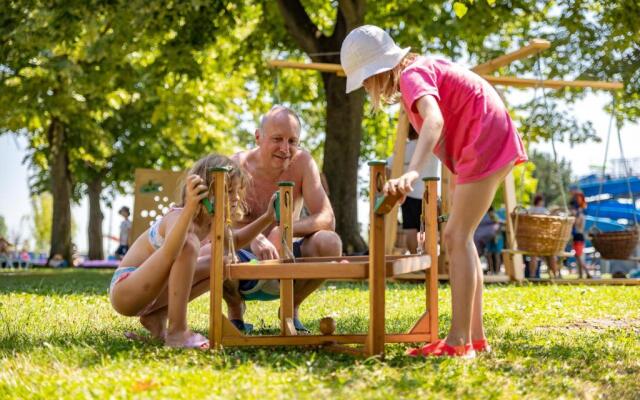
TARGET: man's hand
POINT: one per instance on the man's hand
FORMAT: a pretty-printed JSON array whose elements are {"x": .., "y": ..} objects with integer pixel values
[{"x": 264, "y": 249}]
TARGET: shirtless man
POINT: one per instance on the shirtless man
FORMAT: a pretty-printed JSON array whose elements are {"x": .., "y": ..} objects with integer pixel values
[{"x": 278, "y": 158}]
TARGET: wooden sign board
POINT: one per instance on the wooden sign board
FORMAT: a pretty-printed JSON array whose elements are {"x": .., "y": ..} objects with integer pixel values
[{"x": 155, "y": 193}]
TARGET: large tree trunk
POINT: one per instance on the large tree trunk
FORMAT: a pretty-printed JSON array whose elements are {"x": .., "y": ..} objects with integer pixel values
[
  {"x": 61, "y": 191},
  {"x": 341, "y": 152},
  {"x": 344, "y": 112},
  {"x": 95, "y": 219}
]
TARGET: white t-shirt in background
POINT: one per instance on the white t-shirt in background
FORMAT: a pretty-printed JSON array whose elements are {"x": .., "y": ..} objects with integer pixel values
[{"x": 430, "y": 170}]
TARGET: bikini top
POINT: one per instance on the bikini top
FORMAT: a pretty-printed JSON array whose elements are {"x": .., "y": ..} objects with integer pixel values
[{"x": 155, "y": 239}]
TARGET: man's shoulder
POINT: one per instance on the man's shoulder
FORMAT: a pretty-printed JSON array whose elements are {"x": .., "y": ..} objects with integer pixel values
[{"x": 304, "y": 158}]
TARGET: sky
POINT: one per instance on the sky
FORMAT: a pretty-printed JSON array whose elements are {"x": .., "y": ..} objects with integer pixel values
[{"x": 15, "y": 202}]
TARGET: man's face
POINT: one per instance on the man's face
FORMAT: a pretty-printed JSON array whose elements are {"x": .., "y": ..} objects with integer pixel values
[{"x": 278, "y": 140}]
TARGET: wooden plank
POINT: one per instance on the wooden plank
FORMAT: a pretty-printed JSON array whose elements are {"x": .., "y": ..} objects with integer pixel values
[
  {"x": 310, "y": 270},
  {"x": 377, "y": 270},
  {"x": 408, "y": 338},
  {"x": 513, "y": 81},
  {"x": 408, "y": 265},
  {"x": 533, "y": 47},
  {"x": 391, "y": 220},
  {"x": 216, "y": 266},
  {"x": 299, "y": 340},
  {"x": 286, "y": 285},
  {"x": 515, "y": 263},
  {"x": 430, "y": 198}
]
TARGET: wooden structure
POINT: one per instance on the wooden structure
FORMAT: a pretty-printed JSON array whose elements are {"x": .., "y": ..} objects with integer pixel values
[
  {"x": 155, "y": 193},
  {"x": 375, "y": 268},
  {"x": 513, "y": 260}
]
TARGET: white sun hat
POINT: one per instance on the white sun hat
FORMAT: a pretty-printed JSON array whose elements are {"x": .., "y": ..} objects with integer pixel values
[{"x": 366, "y": 51}]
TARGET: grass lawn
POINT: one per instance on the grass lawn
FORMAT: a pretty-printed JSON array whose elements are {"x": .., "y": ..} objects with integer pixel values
[{"x": 59, "y": 338}]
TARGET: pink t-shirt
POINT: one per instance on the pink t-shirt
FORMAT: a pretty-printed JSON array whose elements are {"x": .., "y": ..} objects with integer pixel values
[{"x": 478, "y": 137}]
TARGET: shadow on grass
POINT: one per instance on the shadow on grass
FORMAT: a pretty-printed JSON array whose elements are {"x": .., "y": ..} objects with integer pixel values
[{"x": 56, "y": 282}]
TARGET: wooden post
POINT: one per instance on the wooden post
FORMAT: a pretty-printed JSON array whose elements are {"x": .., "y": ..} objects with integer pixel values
[
  {"x": 286, "y": 230},
  {"x": 430, "y": 197},
  {"x": 513, "y": 262},
  {"x": 217, "y": 258},
  {"x": 445, "y": 201},
  {"x": 376, "y": 335},
  {"x": 391, "y": 219}
]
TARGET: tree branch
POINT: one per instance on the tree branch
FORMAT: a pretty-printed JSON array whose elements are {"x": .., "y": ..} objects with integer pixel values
[
  {"x": 353, "y": 12},
  {"x": 300, "y": 26}
]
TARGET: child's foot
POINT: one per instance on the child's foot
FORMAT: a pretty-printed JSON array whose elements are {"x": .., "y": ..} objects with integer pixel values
[
  {"x": 156, "y": 324},
  {"x": 187, "y": 340}
]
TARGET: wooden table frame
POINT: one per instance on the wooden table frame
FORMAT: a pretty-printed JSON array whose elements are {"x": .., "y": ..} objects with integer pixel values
[{"x": 375, "y": 268}]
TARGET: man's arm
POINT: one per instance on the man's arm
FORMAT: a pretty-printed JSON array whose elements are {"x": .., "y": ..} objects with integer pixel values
[{"x": 315, "y": 198}]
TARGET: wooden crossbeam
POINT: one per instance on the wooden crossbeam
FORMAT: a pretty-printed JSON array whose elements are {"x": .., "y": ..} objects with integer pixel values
[
  {"x": 324, "y": 269},
  {"x": 512, "y": 81},
  {"x": 535, "y": 46}
]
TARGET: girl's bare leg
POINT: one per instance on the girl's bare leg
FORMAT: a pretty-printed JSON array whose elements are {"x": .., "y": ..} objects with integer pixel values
[
  {"x": 179, "y": 292},
  {"x": 133, "y": 294},
  {"x": 470, "y": 202}
]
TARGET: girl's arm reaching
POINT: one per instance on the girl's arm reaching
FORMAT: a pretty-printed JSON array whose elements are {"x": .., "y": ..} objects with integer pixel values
[
  {"x": 243, "y": 236},
  {"x": 176, "y": 233}
]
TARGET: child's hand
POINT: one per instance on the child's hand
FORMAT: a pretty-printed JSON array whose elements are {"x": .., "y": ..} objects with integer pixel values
[
  {"x": 196, "y": 191},
  {"x": 271, "y": 210},
  {"x": 402, "y": 184}
]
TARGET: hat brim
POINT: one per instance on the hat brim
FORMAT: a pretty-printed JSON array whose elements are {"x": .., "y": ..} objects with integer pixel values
[{"x": 382, "y": 64}]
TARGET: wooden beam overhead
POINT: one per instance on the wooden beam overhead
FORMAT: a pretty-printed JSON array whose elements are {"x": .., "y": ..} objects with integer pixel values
[
  {"x": 322, "y": 67},
  {"x": 550, "y": 84},
  {"x": 494, "y": 80},
  {"x": 535, "y": 46}
]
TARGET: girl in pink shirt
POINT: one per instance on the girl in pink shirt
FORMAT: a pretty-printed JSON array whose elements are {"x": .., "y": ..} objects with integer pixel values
[{"x": 461, "y": 120}]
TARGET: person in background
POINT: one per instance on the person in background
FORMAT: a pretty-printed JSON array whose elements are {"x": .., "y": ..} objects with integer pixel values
[
  {"x": 577, "y": 204},
  {"x": 494, "y": 247},
  {"x": 412, "y": 206},
  {"x": 125, "y": 233}
]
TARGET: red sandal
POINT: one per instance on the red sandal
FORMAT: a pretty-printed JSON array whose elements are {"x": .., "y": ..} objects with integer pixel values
[
  {"x": 481, "y": 346},
  {"x": 441, "y": 349}
]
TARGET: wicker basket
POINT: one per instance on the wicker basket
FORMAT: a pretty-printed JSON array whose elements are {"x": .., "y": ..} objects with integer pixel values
[
  {"x": 616, "y": 245},
  {"x": 541, "y": 234}
]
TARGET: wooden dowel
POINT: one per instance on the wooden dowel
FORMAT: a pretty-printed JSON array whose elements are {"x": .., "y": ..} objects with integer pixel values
[{"x": 535, "y": 46}]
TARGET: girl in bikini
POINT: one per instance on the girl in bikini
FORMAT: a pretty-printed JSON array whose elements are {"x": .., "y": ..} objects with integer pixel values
[
  {"x": 160, "y": 274},
  {"x": 461, "y": 120}
]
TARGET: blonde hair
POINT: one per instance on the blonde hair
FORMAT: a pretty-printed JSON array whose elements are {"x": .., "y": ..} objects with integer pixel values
[
  {"x": 201, "y": 168},
  {"x": 384, "y": 88}
]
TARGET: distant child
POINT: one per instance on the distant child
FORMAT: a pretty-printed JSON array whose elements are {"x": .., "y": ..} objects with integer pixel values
[
  {"x": 577, "y": 204},
  {"x": 125, "y": 233},
  {"x": 460, "y": 119},
  {"x": 160, "y": 274}
]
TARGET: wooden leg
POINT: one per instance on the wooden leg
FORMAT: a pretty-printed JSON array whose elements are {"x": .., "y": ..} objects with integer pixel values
[{"x": 286, "y": 307}]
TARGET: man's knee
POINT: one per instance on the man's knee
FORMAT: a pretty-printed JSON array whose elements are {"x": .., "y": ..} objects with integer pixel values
[{"x": 323, "y": 243}]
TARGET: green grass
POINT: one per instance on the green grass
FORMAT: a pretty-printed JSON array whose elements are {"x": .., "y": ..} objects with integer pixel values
[{"x": 59, "y": 338}]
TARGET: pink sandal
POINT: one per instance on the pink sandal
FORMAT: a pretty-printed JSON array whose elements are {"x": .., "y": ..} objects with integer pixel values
[
  {"x": 441, "y": 349},
  {"x": 195, "y": 341}
]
